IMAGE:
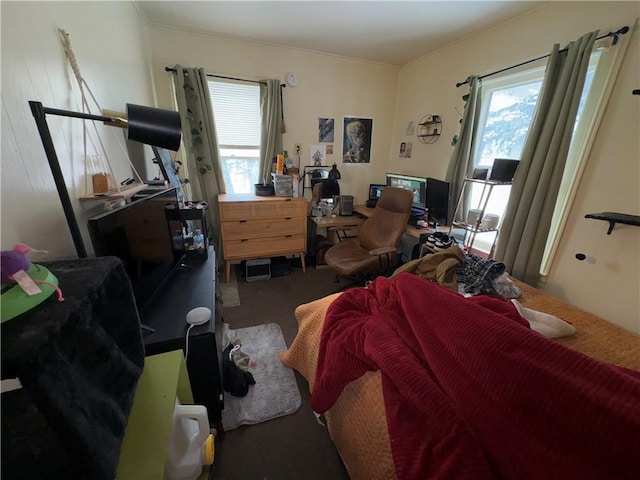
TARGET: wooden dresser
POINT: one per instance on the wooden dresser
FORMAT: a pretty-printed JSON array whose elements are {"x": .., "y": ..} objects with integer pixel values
[{"x": 260, "y": 227}]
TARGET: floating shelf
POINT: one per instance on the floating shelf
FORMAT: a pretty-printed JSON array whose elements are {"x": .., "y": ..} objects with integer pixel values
[
  {"x": 125, "y": 192},
  {"x": 614, "y": 217},
  {"x": 429, "y": 129}
]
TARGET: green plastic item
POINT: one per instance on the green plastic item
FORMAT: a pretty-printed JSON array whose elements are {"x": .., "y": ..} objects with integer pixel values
[{"x": 15, "y": 301}]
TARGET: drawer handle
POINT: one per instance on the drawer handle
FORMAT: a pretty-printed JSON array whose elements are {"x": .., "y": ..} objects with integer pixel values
[
  {"x": 288, "y": 218},
  {"x": 242, "y": 221},
  {"x": 244, "y": 240},
  {"x": 288, "y": 236}
]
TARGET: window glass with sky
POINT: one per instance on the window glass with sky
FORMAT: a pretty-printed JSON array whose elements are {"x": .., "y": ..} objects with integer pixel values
[
  {"x": 236, "y": 110},
  {"x": 508, "y": 106}
]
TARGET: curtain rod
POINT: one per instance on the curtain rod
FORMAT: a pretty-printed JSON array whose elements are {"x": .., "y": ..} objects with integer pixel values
[
  {"x": 171, "y": 69},
  {"x": 615, "y": 35}
]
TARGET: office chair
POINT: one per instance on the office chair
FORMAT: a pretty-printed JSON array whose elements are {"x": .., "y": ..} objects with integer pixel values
[{"x": 375, "y": 248}]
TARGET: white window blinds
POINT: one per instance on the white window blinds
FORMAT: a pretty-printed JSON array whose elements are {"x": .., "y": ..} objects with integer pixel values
[{"x": 236, "y": 109}]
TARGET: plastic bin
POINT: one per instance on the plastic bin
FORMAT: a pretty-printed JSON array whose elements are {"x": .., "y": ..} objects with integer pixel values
[{"x": 283, "y": 185}]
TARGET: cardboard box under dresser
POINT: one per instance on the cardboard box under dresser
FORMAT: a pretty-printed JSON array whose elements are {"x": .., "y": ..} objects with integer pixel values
[{"x": 260, "y": 227}]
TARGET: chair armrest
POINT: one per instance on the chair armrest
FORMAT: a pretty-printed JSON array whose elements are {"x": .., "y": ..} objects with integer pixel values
[{"x": 382, "y": 250}]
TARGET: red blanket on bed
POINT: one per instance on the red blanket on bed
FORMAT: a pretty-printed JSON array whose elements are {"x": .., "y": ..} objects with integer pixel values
[{"x": 471, "y": 392}]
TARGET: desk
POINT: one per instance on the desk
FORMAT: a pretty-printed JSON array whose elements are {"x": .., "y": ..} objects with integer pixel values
[
  {"x": 144, "y": 448},
  {"x": 411, "y": 230},
  {"x": 338, "y": 221}
]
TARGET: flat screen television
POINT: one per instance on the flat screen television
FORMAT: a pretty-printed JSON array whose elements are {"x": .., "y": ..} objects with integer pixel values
[
  {"x": 437, "y": 200},
  {"x": 139, "y": 234},
  {"x": 417, "y": 185}
]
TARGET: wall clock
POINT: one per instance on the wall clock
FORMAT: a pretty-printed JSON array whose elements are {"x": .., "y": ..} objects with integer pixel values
[{"x": 292, "y": 80}]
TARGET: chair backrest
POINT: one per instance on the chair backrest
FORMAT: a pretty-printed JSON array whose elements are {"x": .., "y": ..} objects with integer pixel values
[{"x": 388, "y": 221}]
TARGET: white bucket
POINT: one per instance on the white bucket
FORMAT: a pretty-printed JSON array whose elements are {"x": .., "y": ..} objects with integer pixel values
[
  {"x": 191, "y": 443},
  {"x": 473, "y": 215},
  {"x": 490, "y": 221}
]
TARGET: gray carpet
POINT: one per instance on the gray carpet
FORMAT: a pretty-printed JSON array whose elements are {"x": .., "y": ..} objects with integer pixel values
[
  {"x": 229, "y": 291},
  {"x": 275, "y": 393},
  {"x": 293, "y": 446}
]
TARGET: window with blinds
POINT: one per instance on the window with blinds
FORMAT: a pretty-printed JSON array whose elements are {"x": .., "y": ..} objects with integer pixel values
[{"x": 236, "y": 110}]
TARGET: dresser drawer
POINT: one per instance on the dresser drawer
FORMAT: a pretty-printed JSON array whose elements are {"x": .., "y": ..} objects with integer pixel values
[
  {"x": 263, "y": 247},
  {"x": 265, "y": 209},
  {"x": 240, "y": 229}
]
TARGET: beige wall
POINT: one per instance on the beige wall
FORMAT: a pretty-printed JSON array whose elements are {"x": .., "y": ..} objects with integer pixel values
[
  {"x": 608, "y": 282},
  {"x": 111, "y": 47},
  {"x": 327, "y": 87}
]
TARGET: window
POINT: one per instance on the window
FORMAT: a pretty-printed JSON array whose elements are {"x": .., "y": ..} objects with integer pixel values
[
  {"x": 508, "y": 107},
  {"x": 236, "y": 110}
]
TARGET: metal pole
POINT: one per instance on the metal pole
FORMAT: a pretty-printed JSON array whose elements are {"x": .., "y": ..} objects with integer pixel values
[{"x": 45, "y": 135}]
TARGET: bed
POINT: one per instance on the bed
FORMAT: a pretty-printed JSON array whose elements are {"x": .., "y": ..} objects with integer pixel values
[{"x": 603, "y": 375}]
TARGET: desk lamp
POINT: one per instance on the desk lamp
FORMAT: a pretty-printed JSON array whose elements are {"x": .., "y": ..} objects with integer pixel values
[
  {"x": 334, "y": 173},
  {"x": 151, "y": 126}
]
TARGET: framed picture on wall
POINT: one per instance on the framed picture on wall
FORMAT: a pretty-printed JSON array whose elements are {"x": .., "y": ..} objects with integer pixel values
[
  {"x": 325, "y": 130},
  {"x": 356, "y": 145},
  {"x": 317, "y": 155}
]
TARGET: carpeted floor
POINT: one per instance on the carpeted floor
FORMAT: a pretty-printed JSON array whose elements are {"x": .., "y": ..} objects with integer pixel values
[{"x": 294, "y": 446}]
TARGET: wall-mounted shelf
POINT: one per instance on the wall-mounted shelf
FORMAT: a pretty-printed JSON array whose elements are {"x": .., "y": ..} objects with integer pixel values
[
  {"x": 613, "y": 218},
  {"x": 429, "y": 129},
  {"x": 124, "y": 193}
]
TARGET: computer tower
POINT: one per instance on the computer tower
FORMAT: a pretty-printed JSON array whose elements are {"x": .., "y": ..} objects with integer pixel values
[{"x": 346, "y": 204}]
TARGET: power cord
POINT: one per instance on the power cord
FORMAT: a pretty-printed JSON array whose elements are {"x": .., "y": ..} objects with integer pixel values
[{"x": 186, "y": 343}]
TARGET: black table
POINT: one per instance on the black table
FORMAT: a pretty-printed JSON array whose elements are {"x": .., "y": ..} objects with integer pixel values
[
  {"x": 190, "y": 286},
  {"x": 79, "y": 362}
]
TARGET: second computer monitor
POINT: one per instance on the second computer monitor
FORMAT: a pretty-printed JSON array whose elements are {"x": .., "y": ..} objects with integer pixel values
[
  {"x": 437, "y": 200},
  {"x": 417, "y": 185}
]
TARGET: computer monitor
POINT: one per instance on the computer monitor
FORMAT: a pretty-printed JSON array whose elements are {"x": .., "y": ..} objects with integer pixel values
[
  {"x": 438, "y": 200},
  {"x": 417, "y": 185}
]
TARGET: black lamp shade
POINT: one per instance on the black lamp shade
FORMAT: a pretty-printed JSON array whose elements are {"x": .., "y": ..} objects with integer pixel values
[
  {"x": 154, "y": 126},
  {"x": 334, "y": 173}
]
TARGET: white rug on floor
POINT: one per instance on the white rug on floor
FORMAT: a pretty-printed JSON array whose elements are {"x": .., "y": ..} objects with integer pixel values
[
  {"x": 275, "y": 393},
  {"x": 229, "y": 290}
]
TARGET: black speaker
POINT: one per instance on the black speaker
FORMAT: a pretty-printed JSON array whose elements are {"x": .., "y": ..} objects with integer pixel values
[{"x": 346, "y": 204}]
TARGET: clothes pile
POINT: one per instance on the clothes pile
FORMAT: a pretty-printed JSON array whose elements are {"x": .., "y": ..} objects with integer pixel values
[
  {"x": 236, "y": 379},
  {"x": 466, "y": 274}
]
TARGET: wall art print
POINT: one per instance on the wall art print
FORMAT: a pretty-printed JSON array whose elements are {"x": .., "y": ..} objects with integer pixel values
[
  {"x": 356, "y": 145},
  {"x": 325, "y": 130}
]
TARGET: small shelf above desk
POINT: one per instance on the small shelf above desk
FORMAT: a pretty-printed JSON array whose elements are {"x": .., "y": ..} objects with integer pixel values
[{"x": 614, "y": 217}]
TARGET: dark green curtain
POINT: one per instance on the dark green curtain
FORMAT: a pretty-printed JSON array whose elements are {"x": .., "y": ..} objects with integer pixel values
[
  {"x": 461, "y": 163},
  {"x": 271, "y": 128},
  {"x": 200, "y": 142},
  {"x": 528, "y": 215}
]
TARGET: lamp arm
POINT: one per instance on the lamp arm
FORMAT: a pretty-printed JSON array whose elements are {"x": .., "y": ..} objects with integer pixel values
[
  {"x": 45, "y": 135},
  {"x": 86, "y": 116}
]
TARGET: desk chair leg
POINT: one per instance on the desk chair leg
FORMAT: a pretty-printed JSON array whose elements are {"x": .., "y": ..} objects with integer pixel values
[{"x": 380, "y": 262}]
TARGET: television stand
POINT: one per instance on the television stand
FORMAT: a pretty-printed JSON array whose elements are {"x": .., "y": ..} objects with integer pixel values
[{"x": 189, "y": 286}]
